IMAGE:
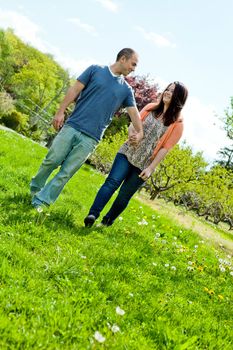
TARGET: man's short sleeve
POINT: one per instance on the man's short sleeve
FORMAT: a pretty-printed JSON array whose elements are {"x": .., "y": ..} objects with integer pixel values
[
  {"x": 129, "y": 100},
  {"x": 86, "y": 75}
]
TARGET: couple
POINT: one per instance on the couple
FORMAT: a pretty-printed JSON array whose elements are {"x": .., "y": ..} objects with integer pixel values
[{"x": 99, "y": 92}]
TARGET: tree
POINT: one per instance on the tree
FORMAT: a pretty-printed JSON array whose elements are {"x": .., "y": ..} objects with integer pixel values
[
  {"x": 176, "y": 171},
  {"x": 226, "y": 153}
]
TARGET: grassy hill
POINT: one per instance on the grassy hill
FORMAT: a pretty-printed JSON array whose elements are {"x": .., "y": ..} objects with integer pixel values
[{"x": 143, "y": 283}]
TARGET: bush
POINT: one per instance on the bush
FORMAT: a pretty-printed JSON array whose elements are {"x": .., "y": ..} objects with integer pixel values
[
  {"x": 106, "y": 151},
  {"x": 16, "y": 121}
]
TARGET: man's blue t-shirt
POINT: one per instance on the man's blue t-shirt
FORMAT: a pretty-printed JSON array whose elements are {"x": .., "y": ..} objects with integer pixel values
[{"x": 101, "y": 97}]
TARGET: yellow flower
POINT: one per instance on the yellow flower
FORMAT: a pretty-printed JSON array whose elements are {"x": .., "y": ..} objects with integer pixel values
[
  {"x": 200, "y": 268},
  {"x": 211, "y": 292},
  {"x": 221, "y": 297}
]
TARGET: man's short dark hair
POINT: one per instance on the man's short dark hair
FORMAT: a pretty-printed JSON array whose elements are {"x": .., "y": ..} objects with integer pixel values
[{"x": 127, "y": 52}]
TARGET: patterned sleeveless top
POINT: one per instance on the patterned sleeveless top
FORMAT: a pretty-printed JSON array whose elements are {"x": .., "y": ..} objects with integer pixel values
[{"x": 140, "y": 156}]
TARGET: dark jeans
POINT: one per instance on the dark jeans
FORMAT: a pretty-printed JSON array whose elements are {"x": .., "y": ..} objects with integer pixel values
[{"x": 124, "y": 173}]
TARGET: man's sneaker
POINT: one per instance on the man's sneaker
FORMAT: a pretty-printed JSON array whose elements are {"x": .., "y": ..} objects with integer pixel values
[
  {"x": 89, "y": 220},
  {"x": 106, "y": 221}
]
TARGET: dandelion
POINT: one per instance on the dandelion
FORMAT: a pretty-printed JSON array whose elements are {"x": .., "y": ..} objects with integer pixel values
[
  {"x": 143, "y": 222},
  {"x": 98, "y": 336},
  {"x": 221, "y": 297},
  {"x": 211, "y": 292},
  {"x": 206, "y": 289},
  {"x": 119, "y": 311},
  {"x": 200, "y": 268},
  {"x": 39, "y": 209},
  {"x": 115, "y": 328}
]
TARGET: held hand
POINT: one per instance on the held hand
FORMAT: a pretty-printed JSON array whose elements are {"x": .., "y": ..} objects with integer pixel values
[
  {"x": 135, "y": 138},
  {"x": 58, "y": 121},
  {"x": 146, "y": 173}
]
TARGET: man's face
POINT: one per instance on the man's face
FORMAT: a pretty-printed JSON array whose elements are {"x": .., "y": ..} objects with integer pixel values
[{"x": 129, "y": 65}]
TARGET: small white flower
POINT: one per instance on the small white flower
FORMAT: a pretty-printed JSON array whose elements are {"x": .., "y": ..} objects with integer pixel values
[
  {"x": 229, "y": 256},
  {"x": 190, "y": 268},
  {"x": 119, "y": 311},
  {"x": 120, "y": 218},
  {"x": 181, "y": 231},
  {"x": 220, "y": 260},
  {"x": 196, "y": 246},
  {"x": 166, "y": 265},
  {"x": 98, "y": 336},
  {"x": 164, "y": 241},
  {"x": 173, "y": 268},
  {"x": 83, "y": 257},
  {"x": 231, "y": 273},
  {"x": 154, "y": 264},
  {"x": 175, "y": 238},
  {"x": 153, "y": 217},
  {"x": 115, "y": 328},
  {"x": 190, "y": 263},
  {"x": 39, "y": 209},
  {"x": 157, "y": 235},
  {"x": 131, "y": 294},
  {"x": 222, "y": 268},
  {"x": 143, "y": 222},
  {"x": 190, "y": 302}
]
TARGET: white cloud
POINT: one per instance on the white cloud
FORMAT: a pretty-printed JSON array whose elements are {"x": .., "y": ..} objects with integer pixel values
[
  {"x": 74, "y": 66},
  {"x": 202, "y": 129},
  {"x": 23, "y": 27},
  {"x": 84, "y": 26},
  {"x": 156, "y": 39},
  {"x": 109, "y": 5}
]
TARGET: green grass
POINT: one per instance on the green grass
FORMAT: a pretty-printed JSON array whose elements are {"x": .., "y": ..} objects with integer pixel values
[{"x": 61, "y": 282}]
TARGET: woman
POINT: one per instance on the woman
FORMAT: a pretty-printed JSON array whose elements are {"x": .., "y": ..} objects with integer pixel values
[{"x": 133, "y": 165}]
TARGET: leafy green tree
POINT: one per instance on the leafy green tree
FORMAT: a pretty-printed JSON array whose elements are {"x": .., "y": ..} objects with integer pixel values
[{"x": 176, "y": 171}]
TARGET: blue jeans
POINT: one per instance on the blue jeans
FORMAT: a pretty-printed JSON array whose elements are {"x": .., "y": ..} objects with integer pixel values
[
  {"x": 122, "y": 172},
  {"x": 69, "y": 150}
]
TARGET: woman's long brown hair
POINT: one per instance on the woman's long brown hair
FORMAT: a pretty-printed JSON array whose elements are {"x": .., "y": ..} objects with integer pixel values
[{"x": 179, "y": 97}]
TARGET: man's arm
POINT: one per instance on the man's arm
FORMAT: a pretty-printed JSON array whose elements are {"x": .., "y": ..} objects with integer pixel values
[
  {"x": 70, "y": 97},
  {"x": 137, "y": 125}
]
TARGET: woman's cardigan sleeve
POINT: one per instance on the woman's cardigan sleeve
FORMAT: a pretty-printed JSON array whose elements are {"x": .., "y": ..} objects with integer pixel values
[{"x": 171, "y": 136}]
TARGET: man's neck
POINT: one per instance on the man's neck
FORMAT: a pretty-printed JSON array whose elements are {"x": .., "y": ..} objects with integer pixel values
[{"x": 114, "y": 69}]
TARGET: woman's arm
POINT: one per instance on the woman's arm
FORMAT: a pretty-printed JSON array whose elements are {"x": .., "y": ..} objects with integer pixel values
[{"x": 147, "y": 172}]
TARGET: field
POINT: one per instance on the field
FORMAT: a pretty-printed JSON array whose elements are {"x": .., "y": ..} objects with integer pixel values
[{"x": 144, "y": 283}]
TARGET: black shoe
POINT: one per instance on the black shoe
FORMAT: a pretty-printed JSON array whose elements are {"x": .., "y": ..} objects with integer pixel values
[
  {"x": 89, "y": 220},
  {"x": 106, "y": 221}
]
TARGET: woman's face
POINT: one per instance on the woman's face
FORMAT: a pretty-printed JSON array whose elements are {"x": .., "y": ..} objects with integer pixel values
[{"x": 167, "y": 95}]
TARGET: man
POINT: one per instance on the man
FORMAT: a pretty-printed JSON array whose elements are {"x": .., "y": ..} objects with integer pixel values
[{"x": 99, "y": 92}]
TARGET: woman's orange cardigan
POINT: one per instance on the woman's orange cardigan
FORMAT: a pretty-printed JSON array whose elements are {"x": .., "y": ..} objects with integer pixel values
[{"x": 171, "y": 136}]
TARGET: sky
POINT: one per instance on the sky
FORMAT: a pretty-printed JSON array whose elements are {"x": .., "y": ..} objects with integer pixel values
[{"x": 185, "y": 40}]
